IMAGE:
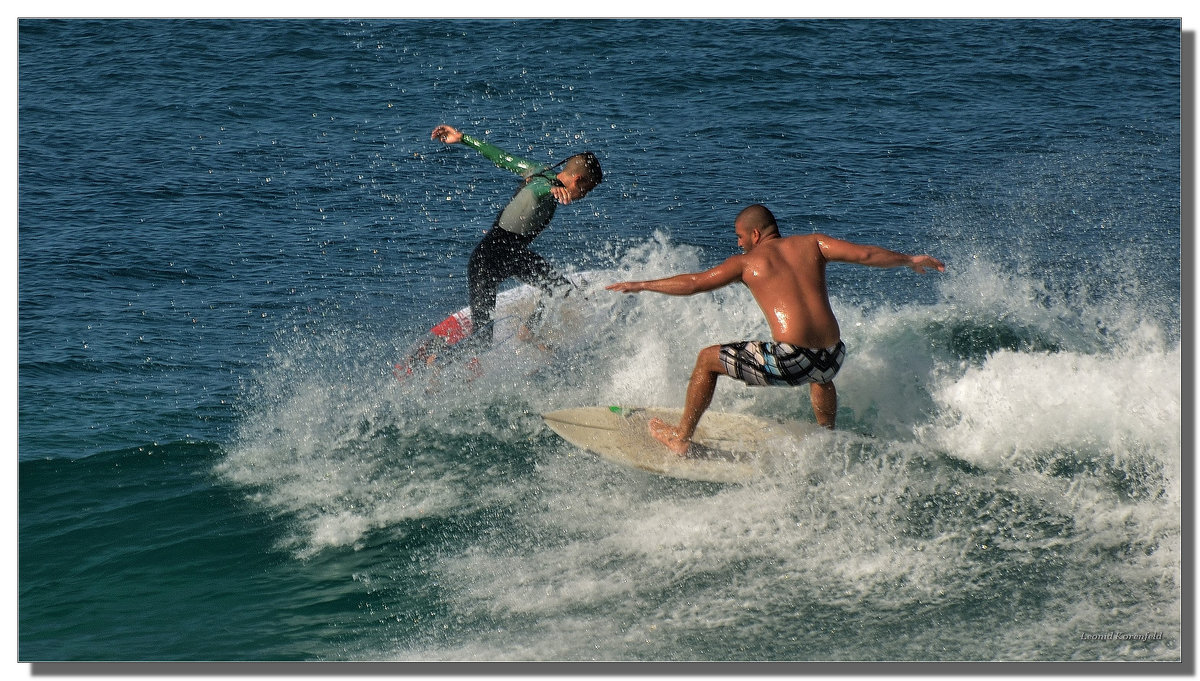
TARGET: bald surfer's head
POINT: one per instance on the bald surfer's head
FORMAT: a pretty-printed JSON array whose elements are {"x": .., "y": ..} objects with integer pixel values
[
  {"x": 753, "y": 225},
  {"x": 757, "y": 217}
]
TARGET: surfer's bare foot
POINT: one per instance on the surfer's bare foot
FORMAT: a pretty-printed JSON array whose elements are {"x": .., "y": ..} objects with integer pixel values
[
  {"x": 669, "y": 435},
  {"x": 526, "y": 336}
]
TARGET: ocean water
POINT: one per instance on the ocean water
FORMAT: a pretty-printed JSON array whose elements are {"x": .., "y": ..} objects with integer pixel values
[{"x": 231, "y": 229}]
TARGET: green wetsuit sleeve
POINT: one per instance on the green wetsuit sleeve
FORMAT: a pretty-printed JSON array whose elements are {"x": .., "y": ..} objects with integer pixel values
[{"x": 502, "y": 158}]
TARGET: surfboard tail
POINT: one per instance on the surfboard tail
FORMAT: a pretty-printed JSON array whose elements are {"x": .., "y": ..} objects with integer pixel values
[{"x": 454, "y": 328}]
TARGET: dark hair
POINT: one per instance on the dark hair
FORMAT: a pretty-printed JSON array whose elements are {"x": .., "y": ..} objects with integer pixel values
[{"x": 585, "y": 165}]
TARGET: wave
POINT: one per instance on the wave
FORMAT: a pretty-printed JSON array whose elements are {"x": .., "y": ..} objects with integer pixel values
[{"x": 995, "y": 453}]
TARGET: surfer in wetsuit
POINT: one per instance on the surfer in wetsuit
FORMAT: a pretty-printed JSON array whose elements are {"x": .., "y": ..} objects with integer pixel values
[
  {"x": 786, "y": 275},
  {"x": 504, "y": 251}
]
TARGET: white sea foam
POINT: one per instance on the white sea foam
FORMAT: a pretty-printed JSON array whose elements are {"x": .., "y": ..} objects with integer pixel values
[
  {"x": 1021, "y": 458},
  {"x": 1121, "y": 404}
]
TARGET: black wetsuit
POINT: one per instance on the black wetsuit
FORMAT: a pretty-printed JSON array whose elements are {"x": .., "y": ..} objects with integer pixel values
[{"x": 504, "y": 251}]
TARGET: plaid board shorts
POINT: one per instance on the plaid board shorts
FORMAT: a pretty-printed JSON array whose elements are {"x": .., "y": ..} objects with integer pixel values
[{"x": 781, "y": 364}]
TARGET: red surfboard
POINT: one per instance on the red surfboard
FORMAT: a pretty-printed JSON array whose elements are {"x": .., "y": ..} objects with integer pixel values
[{"x": 445, "y": 333}]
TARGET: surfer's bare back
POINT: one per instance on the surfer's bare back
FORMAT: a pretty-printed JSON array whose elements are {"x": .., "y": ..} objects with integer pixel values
[{"x": 786, "y": 275}]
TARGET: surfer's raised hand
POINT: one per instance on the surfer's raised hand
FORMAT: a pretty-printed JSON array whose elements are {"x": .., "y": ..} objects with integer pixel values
[{"x": 446, "y": 134}]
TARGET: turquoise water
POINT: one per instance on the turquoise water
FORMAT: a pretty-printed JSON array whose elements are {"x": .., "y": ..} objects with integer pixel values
[{"x": 230, "y": 230}]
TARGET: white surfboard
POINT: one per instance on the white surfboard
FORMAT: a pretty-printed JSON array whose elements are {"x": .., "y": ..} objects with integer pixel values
[
  {"x": 726, "y": 447},
  {"x": 513, "y": 308}
]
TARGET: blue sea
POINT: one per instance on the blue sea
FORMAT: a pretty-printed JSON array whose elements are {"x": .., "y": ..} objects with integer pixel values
[{"x": 230, "y": 230}]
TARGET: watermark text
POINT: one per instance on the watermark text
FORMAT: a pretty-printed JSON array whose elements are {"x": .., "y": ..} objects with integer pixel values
[{"x": 1122, "y": 636}]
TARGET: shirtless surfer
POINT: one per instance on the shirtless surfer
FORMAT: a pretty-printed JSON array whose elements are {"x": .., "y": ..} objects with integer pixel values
[{"x": 786, "y": 275}]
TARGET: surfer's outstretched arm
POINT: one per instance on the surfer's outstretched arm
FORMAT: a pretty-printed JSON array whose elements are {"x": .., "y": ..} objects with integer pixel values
[
  {"x": 837, "y": 250},
  {"x": 491, "y": 152},
  {"x": 724, "y": 274}
]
